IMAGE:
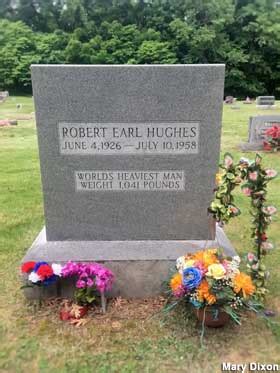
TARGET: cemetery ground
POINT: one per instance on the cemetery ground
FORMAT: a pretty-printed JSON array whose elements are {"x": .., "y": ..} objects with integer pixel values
[{"x": 132, "y": 336}]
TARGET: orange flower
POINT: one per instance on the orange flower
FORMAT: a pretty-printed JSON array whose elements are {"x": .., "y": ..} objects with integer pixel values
[
  {"x": 243, "y": 282},
  {"x": 203, "y": 293},
  {"x": 176, "y": 282},
  {"x": 207, "y": 257}
]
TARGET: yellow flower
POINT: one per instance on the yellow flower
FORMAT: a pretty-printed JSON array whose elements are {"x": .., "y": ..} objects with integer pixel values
[
  {"x": 219, "y": 177},
  {"x": 217, "y": 271},
  {"x": 189, "y": 263},
  {"x": 243, "y": 282},
  {"x": 203, "y": 293},
  {"x": 176, "y": 282}
]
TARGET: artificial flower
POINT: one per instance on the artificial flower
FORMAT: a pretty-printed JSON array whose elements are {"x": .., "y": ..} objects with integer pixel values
[
  {"x": 88, "y": 273},
  {"x": 80, "y": 284},
  {"x": 270, "y": 173},
  {"x": 189, "y": 263},
  {"x": 228, "y": 161},
  {"x": 217, "y": 271},
  {"x": 234, "y": 210},
  {"x": 203, "y": 293},
  {"x": 199, "y": 265},
  {"x": 219, "y": 178},
  {"x": 236, "y": 259},
  {"x": 176, "y": 284},
  {"x": 253, "y": 175},
  {"x": 90, "y": 282},
  {"x": 191, "y": 277},
  {"x": 244, "y": 161},
  {"x": 57, "y": 268},
  {"x": 34, "y": 277},
  {"x": 255, "y": 266},
  {"x": 180, "y": 263},
  {"x": 266, "y": 245},
  {"x": 273, "y": 131},
  {"x": 27, "y": 267},
  {"x": 251, "y": 257},
  {"x": 206, "y": 257},
  {"x": 243, "y": 283},
  {"x": 247, "y": 191},
  {"x": 269, "y": 210},
  {"x": 45, "y": 271},
  {"x": 232, "y": 266}
]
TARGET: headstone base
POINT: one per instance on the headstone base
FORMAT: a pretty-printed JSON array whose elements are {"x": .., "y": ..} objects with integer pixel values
[
  {"x": 140, "y": 267},
  {"x": 266, "y": 106},
  {"x": 247, "y": 147}
]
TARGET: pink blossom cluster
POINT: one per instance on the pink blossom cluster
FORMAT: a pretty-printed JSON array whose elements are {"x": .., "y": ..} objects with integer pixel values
[{"x": 89, "y": 275}]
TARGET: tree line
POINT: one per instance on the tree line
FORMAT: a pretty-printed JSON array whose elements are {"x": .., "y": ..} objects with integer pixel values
[{"x": 243, "y": 34}]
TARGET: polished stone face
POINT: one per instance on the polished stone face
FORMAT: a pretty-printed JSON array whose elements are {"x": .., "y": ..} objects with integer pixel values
[{"x": 128, "y": 152}]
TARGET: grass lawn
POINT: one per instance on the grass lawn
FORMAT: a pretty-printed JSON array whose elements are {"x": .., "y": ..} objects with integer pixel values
[{"x": 128, "y": 338}]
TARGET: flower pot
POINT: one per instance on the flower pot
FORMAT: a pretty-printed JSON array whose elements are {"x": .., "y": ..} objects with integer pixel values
[{"x": 212, "y": 316}]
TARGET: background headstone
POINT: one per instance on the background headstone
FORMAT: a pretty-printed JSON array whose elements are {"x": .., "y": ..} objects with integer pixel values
[
  {"x": 257, "y": 126},
  {"x": 229, "y": 100},
  {"x": 128, "y": 160},
  {"x": 265, "y": 102}
]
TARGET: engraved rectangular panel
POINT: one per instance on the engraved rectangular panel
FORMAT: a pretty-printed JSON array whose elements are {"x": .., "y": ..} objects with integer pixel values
[
  {"x": 133, "y": 180},
  {"x": 128, "y": 138}
]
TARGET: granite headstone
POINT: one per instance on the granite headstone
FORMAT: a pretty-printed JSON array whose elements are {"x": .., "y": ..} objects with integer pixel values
[
  {"x": 265, "y": 102},
  {"x": 257, "y": 126},
  {"x": 128, "y": 161}
]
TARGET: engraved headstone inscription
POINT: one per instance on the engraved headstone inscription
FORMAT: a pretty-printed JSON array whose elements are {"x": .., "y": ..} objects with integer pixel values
[{"x": 128, "y": 160}]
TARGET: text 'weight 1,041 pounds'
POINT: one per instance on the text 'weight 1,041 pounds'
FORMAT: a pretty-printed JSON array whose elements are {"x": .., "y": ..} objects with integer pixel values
[{"x": 136, "y": 138}]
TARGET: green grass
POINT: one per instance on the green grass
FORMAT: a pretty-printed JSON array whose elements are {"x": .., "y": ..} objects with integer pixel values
[{"x": 37, "y": 341}]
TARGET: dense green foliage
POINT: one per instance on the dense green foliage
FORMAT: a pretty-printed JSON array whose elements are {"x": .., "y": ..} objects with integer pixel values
[{"x": 244, "y": 34}]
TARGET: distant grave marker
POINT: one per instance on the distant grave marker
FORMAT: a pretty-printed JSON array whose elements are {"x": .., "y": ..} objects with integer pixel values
[
  {"x": 265, "y": 102},
  {"x": 257, "y": 126}
]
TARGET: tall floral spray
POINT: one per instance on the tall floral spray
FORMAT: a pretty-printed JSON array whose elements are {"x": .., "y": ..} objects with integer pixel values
[{"x": 253, "y": 178}]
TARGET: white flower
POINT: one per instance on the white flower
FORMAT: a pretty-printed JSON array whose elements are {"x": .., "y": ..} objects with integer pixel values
[
  {"x": 228, "y": 161},
  {"x": 244, "y": 160},
  {"x": 180, "y": 263},
  {"x": 33, "y": 277},
  {"x": 267, "y": 245},
  {"x": 269, "y": 210},
  {"x": 232, "y": 267},
  {"x": 236, "y": 259},
  {"x": 57, "y": 268}
]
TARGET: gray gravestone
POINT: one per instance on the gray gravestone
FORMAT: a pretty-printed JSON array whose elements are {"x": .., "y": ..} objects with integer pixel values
[
  {"x": 265, "y": 102},
  {"x": 128, "y": 160},
  {"x": 257, "y": 127}
]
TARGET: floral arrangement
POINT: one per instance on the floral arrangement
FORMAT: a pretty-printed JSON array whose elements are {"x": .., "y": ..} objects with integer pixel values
[
  {"x": 253, "y": 178},
  {"x": 272, "y": 141},
  {"x": 90, "y": 278},
  {"x": 41, "y": 273},
  {"x": 209, "y": 279}
]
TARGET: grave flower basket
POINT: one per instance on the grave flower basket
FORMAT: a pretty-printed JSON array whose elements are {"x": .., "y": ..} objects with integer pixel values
[{"x": 213, "y": 285}]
